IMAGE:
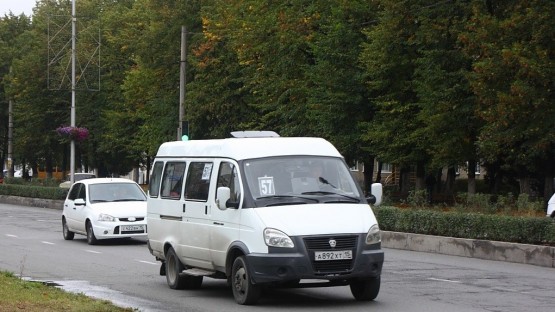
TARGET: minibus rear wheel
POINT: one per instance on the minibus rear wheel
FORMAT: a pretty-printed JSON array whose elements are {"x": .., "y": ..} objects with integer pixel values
[{"x": 174, "y": 267}]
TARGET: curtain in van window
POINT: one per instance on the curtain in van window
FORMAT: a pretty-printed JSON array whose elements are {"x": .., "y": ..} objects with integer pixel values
[{"x": 172, "y": 180}]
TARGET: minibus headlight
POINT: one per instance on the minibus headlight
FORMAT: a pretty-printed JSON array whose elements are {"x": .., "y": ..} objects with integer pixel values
[
  {"x": 106, "y": 217},
  {"x": 276, "y": 238},
  {"x": 374, "y": 235}
]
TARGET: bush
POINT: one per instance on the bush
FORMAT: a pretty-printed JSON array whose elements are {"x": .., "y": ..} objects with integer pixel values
[
  {"x": 516, "y": 229},
  {"x": 417, "y": 198},
  {"x": 46, "y": 192}
]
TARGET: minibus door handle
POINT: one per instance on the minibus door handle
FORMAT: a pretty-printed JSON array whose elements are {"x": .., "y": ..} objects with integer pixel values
[{"x": 183, "y": 207}]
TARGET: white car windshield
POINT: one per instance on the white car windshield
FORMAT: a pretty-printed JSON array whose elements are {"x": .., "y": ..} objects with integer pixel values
[
  {"x": 300, "y": 179},
  {"x": 111, "y": 192}
]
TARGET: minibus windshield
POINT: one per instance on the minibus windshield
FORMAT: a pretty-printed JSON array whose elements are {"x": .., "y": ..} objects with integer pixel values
[{"x": 299, "y": 180}]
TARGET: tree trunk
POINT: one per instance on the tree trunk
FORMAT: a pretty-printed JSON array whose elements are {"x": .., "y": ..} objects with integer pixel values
[
  {"x": 147, "y": 178},
  {"x": 548, "y": 178},
  {"x": 450, "y": 181},
  {"x": 48, "y": 167},
  {"x": 404, "y": 181},
  {"x": 472, "y": 177},
  {"x": 379, "y": 173},
  {"x": 420, "y": 177},
  {"x": 525, "y": 186},
  {"x": 368, "y": 174},
  {"x": 548, "y": 187}
]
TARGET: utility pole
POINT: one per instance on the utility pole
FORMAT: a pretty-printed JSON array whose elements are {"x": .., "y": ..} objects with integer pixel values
[
  {"x": 182, "y": 83},
  {"x": 73, "y": 35},
  {"x": 10, "y": 139},
  {"x": 65, "y": 71}
]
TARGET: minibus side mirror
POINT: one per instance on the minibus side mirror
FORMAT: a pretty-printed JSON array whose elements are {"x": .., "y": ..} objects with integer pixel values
[
  {"x": 223, "y": 199},
  {"x": 79, "y": 202},
  {"x": 223, "y": 194},
  {"x": 375, "y": 197}
]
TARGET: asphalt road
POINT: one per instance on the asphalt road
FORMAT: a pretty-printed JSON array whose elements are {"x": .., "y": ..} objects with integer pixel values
[{"x": 124, "y": 272}]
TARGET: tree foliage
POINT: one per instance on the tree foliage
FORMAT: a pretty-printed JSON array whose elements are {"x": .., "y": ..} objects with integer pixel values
[{"x": 420, "y": 84}]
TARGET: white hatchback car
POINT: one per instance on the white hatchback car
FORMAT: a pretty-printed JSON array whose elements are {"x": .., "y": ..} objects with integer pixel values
[
  {"x": 551, "y": 207},
  {"x": 104, "y": 208}
]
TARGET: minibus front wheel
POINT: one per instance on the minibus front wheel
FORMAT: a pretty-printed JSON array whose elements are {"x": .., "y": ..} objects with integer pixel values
[{"x": 244, "y": 291}]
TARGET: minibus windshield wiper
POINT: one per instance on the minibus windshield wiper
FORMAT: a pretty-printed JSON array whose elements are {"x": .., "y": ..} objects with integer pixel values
[
  {"x": 126, "y": 199},
  {"x": 287, "y": 196},
  {"x": 351, "y": 198}
]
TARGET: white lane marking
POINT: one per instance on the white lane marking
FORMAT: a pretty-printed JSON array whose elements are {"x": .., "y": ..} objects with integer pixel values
[
  {"x": 443, "y": 280},
  {"x": 147, "y": 262},
  {"x": 11, "y": 235},
  {"x": 93, "y": 251},
  {"x": 47, "y": 243}
]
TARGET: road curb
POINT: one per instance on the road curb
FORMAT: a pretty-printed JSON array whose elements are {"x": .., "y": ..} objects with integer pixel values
[
  {"x": 462, "y": 247},
  {"x": 472, "y": 248},
  {"x": 33, "y": 202}
]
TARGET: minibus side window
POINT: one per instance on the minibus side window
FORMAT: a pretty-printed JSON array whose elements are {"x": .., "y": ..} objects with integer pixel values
[
  {"x": 155, "y": 178},
  {"x": 228, "y": 177},
  {"x": 198, "y": 181},
  {"x": 172, "y": 180}
]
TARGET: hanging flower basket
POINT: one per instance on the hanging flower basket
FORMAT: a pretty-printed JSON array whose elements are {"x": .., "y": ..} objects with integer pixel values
[{"x": 73, "y": 133}]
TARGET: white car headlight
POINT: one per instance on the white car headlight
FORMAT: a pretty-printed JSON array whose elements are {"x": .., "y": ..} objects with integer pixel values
[
  {"x": 276, "y": 238},
  {"x": 374, "y": 235},
  {"x": 106, "y": 217}
]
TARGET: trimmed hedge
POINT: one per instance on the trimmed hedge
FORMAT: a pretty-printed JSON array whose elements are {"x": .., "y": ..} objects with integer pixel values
[
  {"x": 526, "y": 230},
  {"x": 34, "y": 191}
]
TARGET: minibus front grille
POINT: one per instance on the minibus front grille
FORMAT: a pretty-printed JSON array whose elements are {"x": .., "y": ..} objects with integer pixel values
[{"x": 323, "y": 243}]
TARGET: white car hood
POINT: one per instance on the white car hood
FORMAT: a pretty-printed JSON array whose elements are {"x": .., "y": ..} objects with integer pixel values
[
  {"x": 310, "y": 219},
  {"x": 122, "y": 209}
]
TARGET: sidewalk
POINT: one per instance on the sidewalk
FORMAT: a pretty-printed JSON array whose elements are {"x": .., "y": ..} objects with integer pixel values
[{"x": 473, "y": 248}]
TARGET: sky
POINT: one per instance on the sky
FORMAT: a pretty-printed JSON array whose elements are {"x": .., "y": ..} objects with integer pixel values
[{"x": 17, "y": 7}]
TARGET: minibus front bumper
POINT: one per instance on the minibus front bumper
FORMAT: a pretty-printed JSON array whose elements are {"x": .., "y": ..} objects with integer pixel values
[{"x": 301, "y": 264}]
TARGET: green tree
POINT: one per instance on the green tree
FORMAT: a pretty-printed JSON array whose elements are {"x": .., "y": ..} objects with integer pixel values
[
  {"x": 11, "y": 29},
  {"x": 37, "y": 111},
  {"x": 390, "y": 58},
  {"x": 447, "y": 103},
  {"x": 338, "y": 99},
  {"x": 513, "y": 44}
]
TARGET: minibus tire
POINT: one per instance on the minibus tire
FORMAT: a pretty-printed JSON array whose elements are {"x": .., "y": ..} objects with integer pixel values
[
  {"x": 244, "y": 291},
  {"x": 174, "y": 267},
  {"x": 365, "y": 289}
]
